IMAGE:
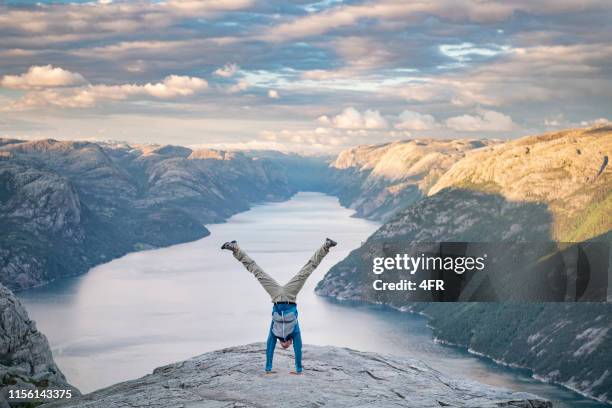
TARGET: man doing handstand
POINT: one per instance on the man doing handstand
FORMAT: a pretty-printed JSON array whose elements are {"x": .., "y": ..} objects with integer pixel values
[{"x": 284, "y": 326}]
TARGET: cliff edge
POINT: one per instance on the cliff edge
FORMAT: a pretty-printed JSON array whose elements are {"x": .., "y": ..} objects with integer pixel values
[
  {"x": 337, "y": 377},
  {"x": 26, "y": 362}
]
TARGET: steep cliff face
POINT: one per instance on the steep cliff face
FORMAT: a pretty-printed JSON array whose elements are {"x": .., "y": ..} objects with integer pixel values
[
  {"x": 538, "y": 188},
  {"x": 67, "y": 206},
  {"x": 566, "y": 343},
  {"x": 378, "y": 180},
  {"x": 25, "y": 358},
  {"x": 333, "y": 376},
  {"x": 41, "y": 214}
]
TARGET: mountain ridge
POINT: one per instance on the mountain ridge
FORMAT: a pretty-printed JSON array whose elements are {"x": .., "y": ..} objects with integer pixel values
[
  {"x": 68, "y": 206},
  {"x": 465, "y": 206},
  {"x": 378, "y": 180}
]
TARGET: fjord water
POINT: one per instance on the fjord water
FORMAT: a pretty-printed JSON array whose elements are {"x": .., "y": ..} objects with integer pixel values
[{"x": 126, "y": 317}]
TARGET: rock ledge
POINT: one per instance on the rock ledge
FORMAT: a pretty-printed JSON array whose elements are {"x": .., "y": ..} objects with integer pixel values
[{"x": 335, "y": 377}]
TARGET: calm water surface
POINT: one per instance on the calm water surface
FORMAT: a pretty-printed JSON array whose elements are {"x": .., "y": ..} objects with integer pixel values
[{"x": 126, "y": 317}]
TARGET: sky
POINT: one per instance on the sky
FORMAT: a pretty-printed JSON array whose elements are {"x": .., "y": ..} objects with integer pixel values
[{"x": 307, "y": 76}]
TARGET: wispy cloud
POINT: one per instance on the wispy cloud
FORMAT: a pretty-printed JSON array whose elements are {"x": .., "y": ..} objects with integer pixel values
[
  {"x": 405, "y": 13},
  {"x": 56, "y": 87},
  {"x": 227, "y": 71}
]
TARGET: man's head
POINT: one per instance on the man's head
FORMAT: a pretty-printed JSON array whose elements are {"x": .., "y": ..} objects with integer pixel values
[{"x": 286, "y": 343}]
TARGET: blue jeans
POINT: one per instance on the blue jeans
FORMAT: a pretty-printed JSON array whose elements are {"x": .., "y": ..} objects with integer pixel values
[{"x": 296, "y": 336}]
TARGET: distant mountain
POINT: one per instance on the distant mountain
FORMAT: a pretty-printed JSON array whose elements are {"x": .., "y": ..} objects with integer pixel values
[
  {"x": 67, "y": 206},
  {"x": 304, "y": 173},
  {"x": 26, "y": 362},
  {"x": 552, "y": 187},
  {"x": 377, "y": 180},
  {"x": 566, "y": 171}
]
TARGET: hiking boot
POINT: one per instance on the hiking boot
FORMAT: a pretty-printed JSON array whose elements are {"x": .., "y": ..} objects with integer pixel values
[
  {"x": 330, "y": 243},
  {"x": 232, "y": 246}
]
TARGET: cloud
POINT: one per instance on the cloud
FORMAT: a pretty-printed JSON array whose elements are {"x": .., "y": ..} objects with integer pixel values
[
  {"x": 105, "y": 17},
  {"x": 175, "y": 85},
  {"x": 90, "y": 95},
  {"x": 409, "y": 120},
  {"x": 484, "y": 120},
  {"x": 253, "y": 144},
  {"x": 361, "y": 52},
  {"x": 227, "y": 71},
  {"x": 321, "y": 74},
  {"x": 467, "y": 51},
  {"x": 209, "y": 6},
  {"x": 273, "y": 94},
  {"x": 530, "y": 74},
  {"x": 135, "y": 66},
  {"x": 595, "y": 122},
  {"x": 319, "y": 139},
  {"x": 406, "y": 13},
  {"x": 42, "y": 76},
  {"x": 556, "y": 121},
  {"x": 239, "y": 86},
  {"x": 351, "y": 118},
  {"x": 559, "y": 121}
]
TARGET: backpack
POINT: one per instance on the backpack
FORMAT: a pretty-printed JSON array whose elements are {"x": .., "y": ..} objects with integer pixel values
[{"x": 283, "y": 324}]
